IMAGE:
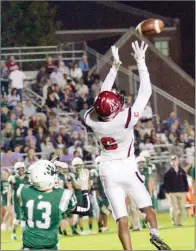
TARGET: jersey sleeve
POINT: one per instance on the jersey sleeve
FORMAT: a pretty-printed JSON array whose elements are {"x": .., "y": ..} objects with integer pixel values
[
  {"x": 109, "y": 81},
  {"x": 87, "y": 119},
  {"x": 83, "y": 209},
  {"x": 67, "y": 194},
  {"x": 145, "y": 91},
  {"x": 11, "y": 180}
]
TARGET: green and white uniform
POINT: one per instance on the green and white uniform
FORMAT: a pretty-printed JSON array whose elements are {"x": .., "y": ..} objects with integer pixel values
[
  {"x": 4, "y": 190},
  {"x": 191, "y": 172},
  {"x": 43, "y": 211},
  {"x": 15, "y": 181}
]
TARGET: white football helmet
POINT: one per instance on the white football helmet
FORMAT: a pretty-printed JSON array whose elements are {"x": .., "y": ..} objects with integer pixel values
[
  {"x": 140, "y": 159},
  {"x": 43, "y": 175},
  {"x": 77, "y": 164},
  {"x": 145, "y": 154},
  {"x": 19, "y": 165},
  {"x": 61, "y": 166},
  {"x": 97, "y": 161}
]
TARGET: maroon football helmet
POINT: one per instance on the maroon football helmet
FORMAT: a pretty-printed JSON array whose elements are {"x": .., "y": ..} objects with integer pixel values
[{"x": 108, "y": 104}]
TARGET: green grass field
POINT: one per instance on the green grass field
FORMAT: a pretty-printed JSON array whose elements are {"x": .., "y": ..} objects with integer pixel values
[{"x": 181, "y": 238}]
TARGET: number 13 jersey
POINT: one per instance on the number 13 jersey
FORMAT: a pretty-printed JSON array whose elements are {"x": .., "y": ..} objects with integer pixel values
[
  {"x": 42, "y": 213},
  {"x": 116, "y": 137}
]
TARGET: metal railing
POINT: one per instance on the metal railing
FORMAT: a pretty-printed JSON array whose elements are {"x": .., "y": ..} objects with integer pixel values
[{"x": 31, "y": 56}]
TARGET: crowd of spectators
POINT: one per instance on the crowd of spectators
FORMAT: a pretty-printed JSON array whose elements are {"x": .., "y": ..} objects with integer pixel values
[{"x": 29, "y": 133}]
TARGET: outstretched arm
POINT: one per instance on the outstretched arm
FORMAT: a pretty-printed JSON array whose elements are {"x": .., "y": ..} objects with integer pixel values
[
  {"x": 145, "y": 89},
  {"x": 84, "y": 182},
  {"x": 109, "y": 81}
]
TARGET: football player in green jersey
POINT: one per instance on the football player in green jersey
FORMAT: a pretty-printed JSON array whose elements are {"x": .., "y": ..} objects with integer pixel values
[
  {"x": 6, "y": 216},
  {"x": 104, "y": 206},
  {"x": 63, "y": 181},
  {"x": 14, "y": 182},
  {"x": 152, "y": 178},
  {"x": 43, "y": 205},
  {"x": 77, "y": 165}
]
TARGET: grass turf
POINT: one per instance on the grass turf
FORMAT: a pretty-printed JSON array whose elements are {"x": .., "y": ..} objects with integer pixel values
[{"x": 181, "y": 238}]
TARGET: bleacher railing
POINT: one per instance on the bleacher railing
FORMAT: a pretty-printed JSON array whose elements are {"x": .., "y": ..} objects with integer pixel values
[{"x": 32, "y": 57}]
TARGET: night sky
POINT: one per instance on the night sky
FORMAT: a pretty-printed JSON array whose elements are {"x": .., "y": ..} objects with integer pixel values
[{"x": 185, "y": 11}]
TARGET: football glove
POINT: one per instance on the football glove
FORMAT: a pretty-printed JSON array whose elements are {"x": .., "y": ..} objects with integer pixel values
[
  {"x": 84, "y": 179},
  {"x": 139, "y": 52},
  {"x": 116, "y": 58}
]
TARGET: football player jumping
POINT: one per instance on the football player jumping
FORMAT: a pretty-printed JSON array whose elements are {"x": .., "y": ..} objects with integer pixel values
[{"x": 113, "y": 126}]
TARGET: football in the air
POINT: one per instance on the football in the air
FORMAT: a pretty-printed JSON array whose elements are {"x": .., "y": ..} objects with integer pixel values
[{"x": 150, "y": 27}]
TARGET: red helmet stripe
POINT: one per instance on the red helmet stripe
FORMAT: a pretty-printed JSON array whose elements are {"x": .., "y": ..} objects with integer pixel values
[
  {"x": 128, "y": 118},
  {"x": 129, "y": 151}
]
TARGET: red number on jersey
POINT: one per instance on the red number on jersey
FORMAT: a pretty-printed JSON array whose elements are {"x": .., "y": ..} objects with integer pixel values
[{"x": 109, "y": 143}]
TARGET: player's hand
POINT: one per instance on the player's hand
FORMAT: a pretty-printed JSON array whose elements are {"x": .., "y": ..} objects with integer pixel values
[
  {"x": 115, "y": 55},
  {"x": 139, "y": 51},
  {"x": 84, "y": 179}
]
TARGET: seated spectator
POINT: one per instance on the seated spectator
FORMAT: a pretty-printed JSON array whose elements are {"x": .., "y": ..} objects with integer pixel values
[
  {"x": 7, "y": 134},
  {"x": 75, "y": 147},
  {"x": 76, "y": 154},
  {"x": 54, "y": 122},
  {"x": 9, "y": 158},
  {"x": 58, "y": 91},
  {"x": 29, "y": 109},
  {"x": 96, "y": 86},
  {"x": 18, "y": 110},
  {"x": 82, "y": 90},
  {"x": 83, "y": 111},
  {"x": 172, "y": 118},
  {"x": 30, "y": 137},
  {"x": 12, "y": 65},
  {"x": 52, "y": 103},
  {"x": 31, "y": 157},
  {"x": 84, "y": 66},
  {"x": 52, "y": 134},
  {"x": 147, "y": 113},
  {"x": 148, "y": 127},
  {"x": 49, "y": 65},
  {"x": 61, "y": 66},
  {"x": 18, "y": 139},
  {"x": 21, "y": 125},
  {"x": 47, "y": 147},
  {"x": 59, "y": 142},
  {"x": 13, "y": 98},
  {"x": 66, "y": 137},
  {"x": 153, "y": 136},
  {"x": 12, "y": 120},
  {"x": 158, "y": 124},
  {"x": 191, "y": 136},
  {"x": 147, "y": 145},
  {"x": 65, "y": 104},
  {"x": 46, "y": 90},
  {"x": 4, "y": 79},
  {"x": 39, "y": 138},
  {"x": 75, "y": 72},
  {"x": 56, "y": 77},
  {"x": 5, "y": 113}
]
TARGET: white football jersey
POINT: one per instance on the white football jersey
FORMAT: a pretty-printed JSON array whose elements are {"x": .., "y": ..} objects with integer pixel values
[{"x": 117, "y": 136}]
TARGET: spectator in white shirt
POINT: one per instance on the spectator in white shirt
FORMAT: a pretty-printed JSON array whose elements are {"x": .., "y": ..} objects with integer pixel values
[
  {"x": 82, "y": 89},
  {"x": 56, "y": 76},
  {"x": 17, "y": 78},
  {"x": 29, "y": 109},
  {"x": 61, "y": 65},
  {"x": 75, "y": 72},
  {"x": 147, "y": 113}
]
